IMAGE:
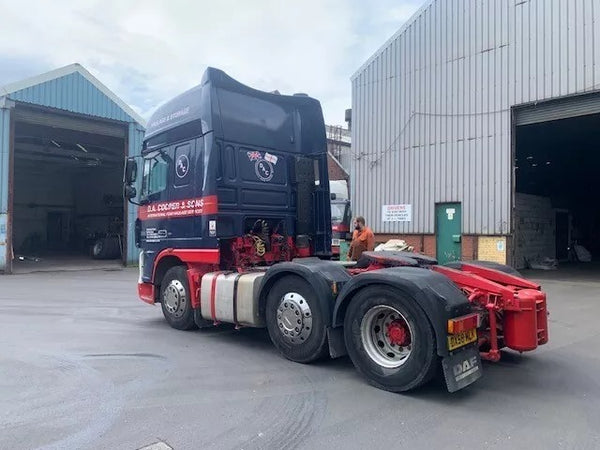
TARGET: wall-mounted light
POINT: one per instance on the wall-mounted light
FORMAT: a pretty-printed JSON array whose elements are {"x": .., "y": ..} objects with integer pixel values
[
  {"x": 55, "y": 143},
  {"x": 81, "y": 147}
]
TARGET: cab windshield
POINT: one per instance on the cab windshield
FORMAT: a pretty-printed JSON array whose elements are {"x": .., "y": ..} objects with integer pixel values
[
  {"x": 340, "y": 213},
  {"x": 337, "y": 212}
]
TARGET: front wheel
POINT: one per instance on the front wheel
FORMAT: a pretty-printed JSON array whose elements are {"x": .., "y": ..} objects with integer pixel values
[
  {"x": 390, "y": 340},
  {"x": 175, "y": 299},
  {"x": 295, "y": 322}
]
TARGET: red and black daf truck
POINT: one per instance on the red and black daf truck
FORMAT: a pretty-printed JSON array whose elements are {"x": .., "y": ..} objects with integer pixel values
[{"x": 234, "y": 227}]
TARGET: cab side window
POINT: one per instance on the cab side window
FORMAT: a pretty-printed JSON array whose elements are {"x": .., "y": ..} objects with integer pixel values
[{"x": 156, "y": 170}]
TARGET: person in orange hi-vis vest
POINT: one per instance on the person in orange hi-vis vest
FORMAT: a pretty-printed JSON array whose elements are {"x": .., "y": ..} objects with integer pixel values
[{"x": 363, "y": 239}]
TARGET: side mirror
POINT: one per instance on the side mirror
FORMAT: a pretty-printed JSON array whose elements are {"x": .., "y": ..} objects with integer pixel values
[
  {"x": 130, "y": 171},
  {"x": 333, "y": 196},
  {"x": 129, "y": 192}
]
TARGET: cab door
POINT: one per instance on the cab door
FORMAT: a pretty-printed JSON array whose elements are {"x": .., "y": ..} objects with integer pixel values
[
  {"x": 167, "y": 187},
  {"x": 182, "y": 190}
]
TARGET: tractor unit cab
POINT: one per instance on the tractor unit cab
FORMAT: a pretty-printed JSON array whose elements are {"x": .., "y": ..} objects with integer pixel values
[
  {"x": 237, "y": 172},
  {"x": 235, "y": 227}
]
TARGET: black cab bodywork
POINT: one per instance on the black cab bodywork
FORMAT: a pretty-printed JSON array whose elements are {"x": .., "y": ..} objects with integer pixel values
[{"x": 221, "y": 156}]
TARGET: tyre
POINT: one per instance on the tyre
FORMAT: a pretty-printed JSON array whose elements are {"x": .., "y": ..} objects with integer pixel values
[
  {"x": 106, "y": 248},
  {"x": 98, "y": 249},
  {"x": 390, "y": 339},
  {"x": 294, "y": 320},
  {"x": 175, "y": 299}
]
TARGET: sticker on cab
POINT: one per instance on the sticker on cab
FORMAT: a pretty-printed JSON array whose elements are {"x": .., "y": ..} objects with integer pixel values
[{"x": 182, "y": 166}]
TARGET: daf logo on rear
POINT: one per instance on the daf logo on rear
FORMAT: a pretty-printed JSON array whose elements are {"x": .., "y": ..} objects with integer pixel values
[
  {"x": 182, "y": 166},
  {"x": 466, "y": 368}
]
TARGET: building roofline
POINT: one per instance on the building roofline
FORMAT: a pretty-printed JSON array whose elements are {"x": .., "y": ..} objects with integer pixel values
[
  {"x": 68, "y": 70},
  {"x": 401, "y": 31},
  {"x": 335, "y": 160}
]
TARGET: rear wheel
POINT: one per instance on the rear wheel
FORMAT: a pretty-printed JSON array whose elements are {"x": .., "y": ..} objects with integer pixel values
[
  {"x": 175, "y": 299},
  {"x": 390, "y": 340},
  {"x": 295, "y": 322}
]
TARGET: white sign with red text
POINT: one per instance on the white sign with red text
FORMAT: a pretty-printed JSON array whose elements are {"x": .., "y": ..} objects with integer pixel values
[{"x": 396, "y": 213}]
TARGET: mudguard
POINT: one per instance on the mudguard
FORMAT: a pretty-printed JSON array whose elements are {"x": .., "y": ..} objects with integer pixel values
[
  {"x": 326, "y": 277},
  {"x": 437, "y": 295}
]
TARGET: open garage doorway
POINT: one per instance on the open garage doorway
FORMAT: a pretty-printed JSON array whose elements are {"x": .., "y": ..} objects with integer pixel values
[
  {"x": 68, "y": 209},
  {"x": 557, "y": 177}
]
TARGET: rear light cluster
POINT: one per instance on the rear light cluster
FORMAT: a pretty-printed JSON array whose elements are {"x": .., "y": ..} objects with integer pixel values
[{"x": 463, "y": 323}]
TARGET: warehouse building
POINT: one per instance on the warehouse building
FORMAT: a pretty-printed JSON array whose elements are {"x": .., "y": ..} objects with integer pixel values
[
  {"x": 476, "y": 130},
  {"x": 63, "y": 140}
]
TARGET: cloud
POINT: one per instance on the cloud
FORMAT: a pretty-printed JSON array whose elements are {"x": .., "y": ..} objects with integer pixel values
[{"x": 149, "y": 51}]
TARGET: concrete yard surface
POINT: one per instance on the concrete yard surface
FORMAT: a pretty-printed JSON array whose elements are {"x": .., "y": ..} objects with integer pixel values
[{"x": 84, "y": 364}]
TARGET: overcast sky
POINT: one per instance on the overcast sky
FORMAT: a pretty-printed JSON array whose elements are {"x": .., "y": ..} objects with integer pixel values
[{"x": 149, "y": 51}]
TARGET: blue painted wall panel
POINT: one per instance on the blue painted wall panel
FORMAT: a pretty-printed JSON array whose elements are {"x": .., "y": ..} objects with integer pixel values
[
  {"x": 75, "y": 94},
  {"x": 4, "y": 153},
  {"x": 4, "y": 156},
  {"x": 3, "y": 241},
  {"x": 135, "y": 139}
]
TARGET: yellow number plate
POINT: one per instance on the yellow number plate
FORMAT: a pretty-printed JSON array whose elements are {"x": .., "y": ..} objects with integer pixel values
[{"x": 460, "y": 339}]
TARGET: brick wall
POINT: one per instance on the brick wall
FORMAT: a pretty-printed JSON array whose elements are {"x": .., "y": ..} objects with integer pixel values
[
  {"x": 492, "y": 248},
  {"x": 336, "y": 172},
  {"x": 473, "y": 247},
  {"x": 468, "y": 248},
  {"x": 429, "y": 245}
]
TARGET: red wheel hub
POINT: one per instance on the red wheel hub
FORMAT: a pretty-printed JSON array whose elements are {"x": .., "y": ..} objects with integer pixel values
[{"x": 398, "y": 333}]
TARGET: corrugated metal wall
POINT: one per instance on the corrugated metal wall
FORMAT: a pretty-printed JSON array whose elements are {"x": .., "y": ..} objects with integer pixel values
[
  {"x": 72, "y": 93},
  {"x": 345, "y": 159},
  {"x": 432, "y": 109}
]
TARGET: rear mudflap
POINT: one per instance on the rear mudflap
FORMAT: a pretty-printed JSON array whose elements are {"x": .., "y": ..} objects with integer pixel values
[
  {"x": 337, "y": 346},
  {"x": 462, "y": 368}
]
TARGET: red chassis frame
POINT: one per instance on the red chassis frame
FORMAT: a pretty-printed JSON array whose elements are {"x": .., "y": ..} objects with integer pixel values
[{"x": 512, "y": 310}]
